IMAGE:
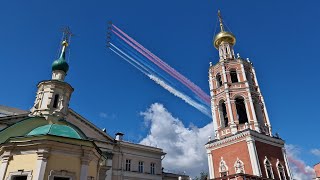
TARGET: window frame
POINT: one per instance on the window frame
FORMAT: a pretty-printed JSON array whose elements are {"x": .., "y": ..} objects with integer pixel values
[
  {"x": 56, "y": 101},
  {"x": 280, "y": 168},
  {"x": 20, "y": 173},
  {"x": 128, "y": 165},
  {"x": 268, "y": 165},
  {"x": 221, "y": 171},
  {"x": 152, "y": 168},
  {"x": 62, "y": 173},
  {"x": 242, "y": 166},
  {"x": 218, "y": 80},
  {"x": 141, "y": 167},
  {"x": 234, "y": 74}
]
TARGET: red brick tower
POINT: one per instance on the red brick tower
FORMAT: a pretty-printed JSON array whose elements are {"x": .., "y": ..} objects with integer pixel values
[{"x": 243, "y": 145}]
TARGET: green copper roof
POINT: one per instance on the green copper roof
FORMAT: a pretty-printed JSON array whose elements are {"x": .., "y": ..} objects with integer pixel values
[{"x": 57, "y": 130}]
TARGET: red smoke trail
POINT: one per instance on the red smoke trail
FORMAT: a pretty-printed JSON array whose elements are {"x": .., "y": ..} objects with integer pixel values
[
  {"x": 299, "y": 165},
  {"x": 165, "y": 66},
  {"x": 161, "y": 66}
]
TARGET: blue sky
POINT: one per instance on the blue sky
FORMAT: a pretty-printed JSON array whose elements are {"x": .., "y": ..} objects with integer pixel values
[{"x": 280, "y": 38}]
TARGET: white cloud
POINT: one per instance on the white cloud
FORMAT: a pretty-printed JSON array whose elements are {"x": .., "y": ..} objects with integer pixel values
[
  {"x": 299, "y": 169},
  {"x": 315, "y": 152},
  {"x": 107, "y": 116},
  {"x": 184, "y": 145}
]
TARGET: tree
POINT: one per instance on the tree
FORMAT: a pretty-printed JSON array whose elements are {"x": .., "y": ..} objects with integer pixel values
[{"x": 203, "y": 176}]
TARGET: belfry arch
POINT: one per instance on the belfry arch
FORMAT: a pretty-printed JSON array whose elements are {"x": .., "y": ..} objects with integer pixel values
[
  {"x": 223, "y": 114},
  {"x": 242, "y": 115}
]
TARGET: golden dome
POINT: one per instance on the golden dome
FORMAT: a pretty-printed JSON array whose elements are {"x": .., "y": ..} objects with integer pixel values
[{"x": 224, "y": 36}]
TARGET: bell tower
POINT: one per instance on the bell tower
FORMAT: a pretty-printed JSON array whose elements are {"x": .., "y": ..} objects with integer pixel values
[
  {"x": 243, "y": 135},
  {"x": 53, "y": 96}
]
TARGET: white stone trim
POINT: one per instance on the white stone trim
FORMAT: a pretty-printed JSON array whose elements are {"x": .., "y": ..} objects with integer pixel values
[
  {"x": 253, "y": 156},
  {"x": 261, "y": 137},
  {"x": 4, "y": 164},
  {"x": 262, "y": 100},
  {"x": 265, "y": 167},
  {"x": 41, "y": 163},
  {"x": 62, "y": 173},
  {"x": 221, "y": 164},
  {"x": 20, "y": 173},
  {"x": 282, "y": 167},
  {"x": 286, "y": 163},
  {"x": 236, "y": 166},
  {"x": 210, "y": 164}
]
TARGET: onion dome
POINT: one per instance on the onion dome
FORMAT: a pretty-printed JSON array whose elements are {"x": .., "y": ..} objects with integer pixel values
[
  {"x": 223, "y": 36},
  {"x": 61, "y": 63}
]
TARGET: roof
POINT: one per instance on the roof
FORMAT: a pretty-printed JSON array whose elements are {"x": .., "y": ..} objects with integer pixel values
[
  {"x": 56, "y": 130},
  {"x": 7, "y": 111}
]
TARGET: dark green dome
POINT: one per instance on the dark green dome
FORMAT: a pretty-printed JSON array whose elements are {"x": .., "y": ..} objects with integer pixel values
[
  {"x": 60, "y": 64},
  {"x": 56, "y": 130}
]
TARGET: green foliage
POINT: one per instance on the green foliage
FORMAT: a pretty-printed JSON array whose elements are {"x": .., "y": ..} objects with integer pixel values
[{"x": 203, "y": 176}]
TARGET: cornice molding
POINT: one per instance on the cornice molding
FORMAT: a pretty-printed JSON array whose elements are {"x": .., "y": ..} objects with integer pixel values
[{"x": 255, "y": 136}]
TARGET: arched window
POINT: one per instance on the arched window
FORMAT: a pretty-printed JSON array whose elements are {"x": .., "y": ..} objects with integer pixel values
[
  {"x": 234, "y": 76},
  {"x": 268, "y": 168},
  {"x": 241, "y": 110},
  {"x": 281, "y": 172},
  {"x": 239, "y": 166},
  {"x": 223, "y": 168},
  {"x": 223, "y": 114},
  {"x": 55, "y": 101},
  {"x": 219, "y": 81}
]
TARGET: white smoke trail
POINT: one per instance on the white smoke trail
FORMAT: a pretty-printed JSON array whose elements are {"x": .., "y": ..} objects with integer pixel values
[
  {"x": 134, "y": 62},
  {"x": 159, "y": 81},
  {"x": 179, "y": 94}
]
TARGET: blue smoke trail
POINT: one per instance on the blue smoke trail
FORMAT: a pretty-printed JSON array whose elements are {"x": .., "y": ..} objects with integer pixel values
[{"x": 159, "y": 81}]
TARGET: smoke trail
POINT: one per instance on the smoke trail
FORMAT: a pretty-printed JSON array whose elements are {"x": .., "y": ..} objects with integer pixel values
[
  {"x": 193, "y": 87},
  {"x": 182, "y": 96},
  {"x": 134, "y": 65},
  {"x": 159, "y": 81},
  {"x": 172, "y": 73},
  {"x": 141, "y": 59}
]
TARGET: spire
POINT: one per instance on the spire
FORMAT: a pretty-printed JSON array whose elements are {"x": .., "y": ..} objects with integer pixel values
[
  {"x": 224, "y": 41},
  {"x": 64, "y": 48},
  {"x": 61, "y": 64},
  {"x": 220, "y": 20}
]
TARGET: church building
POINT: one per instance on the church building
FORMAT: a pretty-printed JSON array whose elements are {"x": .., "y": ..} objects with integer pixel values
[
  {"x": 244, "y": 146},
  {"x": 53, "y": 142}
]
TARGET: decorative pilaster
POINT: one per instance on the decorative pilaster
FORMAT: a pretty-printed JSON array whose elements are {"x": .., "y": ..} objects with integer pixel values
[
  {"x": 43, "y": 155},
  {"x": 85, "y": 160},
  {"x": 262, "y": 101},
  {"x": 210, "y": 163},
  {"x": 286, "y": 162},
  {"x": 253, "y": 156},
  {"x": 4, "y": 164}
]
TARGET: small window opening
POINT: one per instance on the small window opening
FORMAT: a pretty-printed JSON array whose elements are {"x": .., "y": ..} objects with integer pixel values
[
  {"x": 219, "y": 81},
  {"x": 241, "y": 111},
  {"x": 281, "y": 172},
  {"x": 61, "y": 178},
  {"x": 152, "y": 168},
  {"x": 55, "y": 101},
  {"x": 224, "y": 174},
  {"x": 268, "y": 167},
  {"x": 19, "y": 177},
  {"x": 140, "y": 167},
  {"x": 128, "y": 165},
  {"x": 234, "y": 77},
  {"x": 223, "y": 114}
]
